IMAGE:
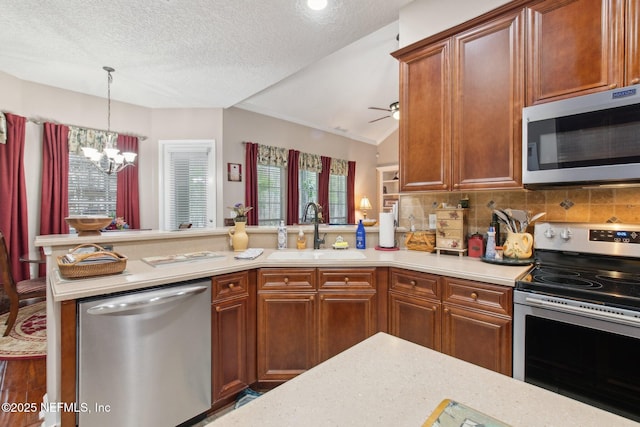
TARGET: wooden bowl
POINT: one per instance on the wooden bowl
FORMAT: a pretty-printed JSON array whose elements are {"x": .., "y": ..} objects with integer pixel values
[{"x": 88, "y": 225}]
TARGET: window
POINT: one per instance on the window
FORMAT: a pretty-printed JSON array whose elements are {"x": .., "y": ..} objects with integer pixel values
[
  {"x": 338, "y": 199},
  {"x": 187, "y": 189},
  {"x": 91, "y": 191},
  {"x": 307, "y": 190},
  {"x": 271, "y": 195}
]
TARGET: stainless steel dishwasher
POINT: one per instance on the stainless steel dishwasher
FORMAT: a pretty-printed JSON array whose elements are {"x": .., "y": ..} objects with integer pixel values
[{"x": 144, "y": 358}]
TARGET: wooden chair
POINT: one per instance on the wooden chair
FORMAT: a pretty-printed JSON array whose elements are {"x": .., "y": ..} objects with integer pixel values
[{"x": 22, "y": 290}]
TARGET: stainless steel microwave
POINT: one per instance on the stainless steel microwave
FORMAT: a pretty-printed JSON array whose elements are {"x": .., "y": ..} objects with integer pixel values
[{"x": 589, "y": 139}]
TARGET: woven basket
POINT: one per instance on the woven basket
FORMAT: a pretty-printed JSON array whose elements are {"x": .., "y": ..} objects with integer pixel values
[
  {"x": 421, "y": 241},
  {"x": 80, "y": 270}
]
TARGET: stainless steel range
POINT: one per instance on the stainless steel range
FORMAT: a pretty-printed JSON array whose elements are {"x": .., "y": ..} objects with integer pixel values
[{"x": 577, "y": 315}]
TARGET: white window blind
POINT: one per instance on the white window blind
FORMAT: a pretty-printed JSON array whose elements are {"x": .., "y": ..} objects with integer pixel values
[
  {"x": 188, "y": 191},
  {"x": 307, "y": 190},
  {"x": 91, "y": 191},
  {"x": 271, "y": 195},
  {"x": 338, "y": 199}
]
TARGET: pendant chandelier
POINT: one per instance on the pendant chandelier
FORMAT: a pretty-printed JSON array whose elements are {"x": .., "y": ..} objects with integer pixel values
[{"x": 110, "y": 160}]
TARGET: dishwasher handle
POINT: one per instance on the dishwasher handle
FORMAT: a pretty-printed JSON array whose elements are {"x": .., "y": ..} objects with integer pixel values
[{"x": 143, "y": 301}]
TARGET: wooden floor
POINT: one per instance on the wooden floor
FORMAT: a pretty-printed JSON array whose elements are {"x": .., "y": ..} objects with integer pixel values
[{"x": 22, "y": 383}]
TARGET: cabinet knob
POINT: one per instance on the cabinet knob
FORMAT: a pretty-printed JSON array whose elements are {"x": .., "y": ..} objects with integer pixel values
[
  {"x": 311, "y": 298},
  {"x": 456, "y": 185},
  {"x": 446, "y": 310},
  {"x": 346, "y": 280},
  {"x": 413, "y": 283},
  {"x": 444, "y": 186},
  {"x": 218, "y": 309},
  {"x": 231, "y": 285},
  {"x": 286, "y": 280},
  {"x": 613, "y": 85},
  {"x": 474, "y": 296},
  {"x": 635, "y": 80},
  {"x": 434, "y": 308}
]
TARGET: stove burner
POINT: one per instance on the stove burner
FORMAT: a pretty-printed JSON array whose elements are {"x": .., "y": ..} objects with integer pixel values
[
  {"x": 617, "y": 279},
  {"x": 567, "y": 281}
]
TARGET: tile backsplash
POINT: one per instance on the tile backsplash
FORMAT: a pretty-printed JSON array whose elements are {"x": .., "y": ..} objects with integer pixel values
[{"x": 574, "y": 205}]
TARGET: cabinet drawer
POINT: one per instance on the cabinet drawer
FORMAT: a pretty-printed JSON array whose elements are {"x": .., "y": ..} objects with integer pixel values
[
  {"x": 483, "y": 296},
  {"x": 286, "y": 279},
  {"x": 347, "y": 278},
  {"x": 229, "y": 285},
  {"x": 418, "y": 284}
]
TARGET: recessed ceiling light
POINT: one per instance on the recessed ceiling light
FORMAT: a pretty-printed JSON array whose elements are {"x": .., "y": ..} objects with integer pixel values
[{"x": 317, "y": 4}]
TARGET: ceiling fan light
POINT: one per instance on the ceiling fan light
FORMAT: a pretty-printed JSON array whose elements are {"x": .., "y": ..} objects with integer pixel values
[
  {"x": 396, "y": 114},
  {"x": 395, "y": 110}
]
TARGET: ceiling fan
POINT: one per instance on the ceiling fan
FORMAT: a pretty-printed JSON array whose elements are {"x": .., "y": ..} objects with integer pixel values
[{"x": 394, "y": 110}]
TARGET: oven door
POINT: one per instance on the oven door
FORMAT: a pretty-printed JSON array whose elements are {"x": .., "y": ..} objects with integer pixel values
[{"x": 574, "y": 354}]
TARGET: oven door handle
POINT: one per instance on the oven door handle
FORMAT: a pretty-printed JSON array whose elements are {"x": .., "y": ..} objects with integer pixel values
[{"x": 581, "y": 310}]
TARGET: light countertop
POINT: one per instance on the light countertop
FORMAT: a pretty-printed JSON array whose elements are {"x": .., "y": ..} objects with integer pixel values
[
  {"x": 139, "y": 275},
  {"x": 387, "y": 381}
]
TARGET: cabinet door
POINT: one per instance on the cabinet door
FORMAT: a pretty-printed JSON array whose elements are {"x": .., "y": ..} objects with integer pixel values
[
  {"x": 632, "y": 42},
  {"x": 416, "y": 320},
  {"x": 425, "y": 124},
  {"x": 573, "y": 48},
  {"x": 476, "y": 337},
  {"x": 229, "y": 348},
  {"x": 287, "y": 335},
  {"x": 488, "y": 91},
  {"x": 345, "y": 320}
]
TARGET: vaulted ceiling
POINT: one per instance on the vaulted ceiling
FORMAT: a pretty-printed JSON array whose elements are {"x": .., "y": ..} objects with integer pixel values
[{"x": 279, "y": 58}]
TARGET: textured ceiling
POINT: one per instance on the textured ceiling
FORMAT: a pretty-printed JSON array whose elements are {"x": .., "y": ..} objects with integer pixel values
[{"x": 276, "y": 57}]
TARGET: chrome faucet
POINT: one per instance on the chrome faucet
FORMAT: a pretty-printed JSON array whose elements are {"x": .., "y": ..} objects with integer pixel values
[{"x": 317, "y": 210}]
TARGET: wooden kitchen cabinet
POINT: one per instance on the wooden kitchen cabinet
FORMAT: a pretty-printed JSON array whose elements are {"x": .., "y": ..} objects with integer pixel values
[
  {"x": 347, "y": 308},
  {"x": 461, "y": 100},
  {"x": 579, "y": 47},
  {"x": 308, "y": 315},
  {"x": 232, "y": 335},
  {"x": 287, "y": 323},
  {"x": 477, "y": 323},
  {"x": 468, "y": 320},
  {"x": 415, "y": 307}
]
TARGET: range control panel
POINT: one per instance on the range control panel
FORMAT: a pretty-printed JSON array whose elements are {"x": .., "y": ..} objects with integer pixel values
[{"x": 615, "y": 236}]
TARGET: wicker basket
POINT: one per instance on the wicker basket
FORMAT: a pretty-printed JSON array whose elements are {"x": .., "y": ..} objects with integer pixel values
[
  {"x": 81, "y": 267},
  {"x": 421, "y": 241}
]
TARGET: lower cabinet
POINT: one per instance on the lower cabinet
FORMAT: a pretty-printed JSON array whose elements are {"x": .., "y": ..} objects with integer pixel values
[
  {"x": 232, "y": 335},
  {"x": 308, "y": 315},
  {"x": 468, "y": 320}
]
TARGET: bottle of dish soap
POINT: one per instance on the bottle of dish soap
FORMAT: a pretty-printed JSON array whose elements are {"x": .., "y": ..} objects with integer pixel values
[
  {"x": 490, "y": 252},
  {"x": 282, "y": 236},
  {"x": 301, "y": 242},
  {"x": 361, "y": 236}
]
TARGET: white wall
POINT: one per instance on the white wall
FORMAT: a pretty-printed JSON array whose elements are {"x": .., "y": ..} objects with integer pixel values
[{"x": 423, "y": 18}]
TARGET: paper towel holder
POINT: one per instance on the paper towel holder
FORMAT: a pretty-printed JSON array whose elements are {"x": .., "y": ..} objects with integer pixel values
[{"x": 384, "y": 228}]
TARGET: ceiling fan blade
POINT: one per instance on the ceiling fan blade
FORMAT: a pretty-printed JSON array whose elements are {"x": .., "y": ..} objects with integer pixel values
[
  {"x": 379, "y": 119},
  {"x": 381, "y": 109}
]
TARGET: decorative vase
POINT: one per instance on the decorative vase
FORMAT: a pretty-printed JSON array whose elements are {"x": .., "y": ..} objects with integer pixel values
[
  {"x": 518, "y": 245},
  {"x": 239, "y": 236}
]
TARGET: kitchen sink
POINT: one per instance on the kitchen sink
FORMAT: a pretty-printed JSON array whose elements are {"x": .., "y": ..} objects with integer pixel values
[{"x": 316, "y": 254}]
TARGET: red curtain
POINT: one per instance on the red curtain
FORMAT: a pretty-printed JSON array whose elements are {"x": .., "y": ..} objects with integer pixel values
[
  {"x": 54, "y": 200},
  {"x": 292, "y": 187},
  {"x": 13, "y": 209},
  {"x": 128, "y": 195},
  {"x": 251, "y": 182},
  {"x": 351, "y": 195},
  {"x": 323, "y": 187}
]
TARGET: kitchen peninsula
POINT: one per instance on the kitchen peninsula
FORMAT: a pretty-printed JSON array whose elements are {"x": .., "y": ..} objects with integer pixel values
[{"x": 63, "y": 294}]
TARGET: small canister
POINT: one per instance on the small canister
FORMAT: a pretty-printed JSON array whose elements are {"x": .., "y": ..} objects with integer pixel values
[{"x": 475, "y": 245}]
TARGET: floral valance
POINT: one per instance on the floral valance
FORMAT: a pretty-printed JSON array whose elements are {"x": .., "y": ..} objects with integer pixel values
[
  {"x": 3, "y": 128},
  {"x": 272, "y": 156},
  {"x": 310, "y": 162},
  {"x": 339, "y": 167},
  {"x": 98, "y": 139}
]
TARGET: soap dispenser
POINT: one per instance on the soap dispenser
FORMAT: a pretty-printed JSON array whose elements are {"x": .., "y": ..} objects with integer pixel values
[
  {"x": 282, "y": 236},
  {"x": 301, "y": 242},
  {"x": 360, "y": 236}
]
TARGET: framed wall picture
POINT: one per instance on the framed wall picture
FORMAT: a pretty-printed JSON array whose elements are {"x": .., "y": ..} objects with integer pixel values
[{"x": 234, "y": 172}]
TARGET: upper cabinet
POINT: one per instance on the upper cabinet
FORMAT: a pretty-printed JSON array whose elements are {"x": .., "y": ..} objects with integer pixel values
[
  {"x": 461, "y": 101},
  {"x": 580, "y": 46}
]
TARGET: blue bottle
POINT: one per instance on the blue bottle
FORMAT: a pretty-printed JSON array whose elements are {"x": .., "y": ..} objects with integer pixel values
[{"x": 361, "y": 236}]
